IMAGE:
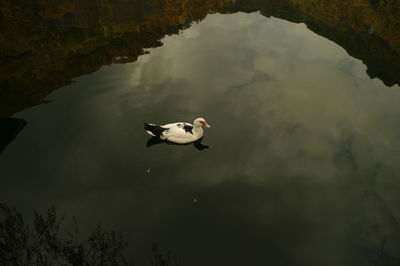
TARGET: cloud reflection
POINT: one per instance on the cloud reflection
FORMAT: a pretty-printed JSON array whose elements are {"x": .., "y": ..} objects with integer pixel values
[
  {"x": 298, "y": 131},
  {"x": 290, "y": 95}
]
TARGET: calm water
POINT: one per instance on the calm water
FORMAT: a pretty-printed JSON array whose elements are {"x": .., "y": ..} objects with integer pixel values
[{"x": 302, "y": 167}]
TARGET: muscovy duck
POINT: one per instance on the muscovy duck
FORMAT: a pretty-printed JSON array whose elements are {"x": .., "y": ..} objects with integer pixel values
[{"x": 180, "y": 132}]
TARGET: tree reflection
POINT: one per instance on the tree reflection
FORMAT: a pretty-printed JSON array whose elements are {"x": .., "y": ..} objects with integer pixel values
[
  {"x": 44, "y": 45},
  {"x": 48, "y": 244}
]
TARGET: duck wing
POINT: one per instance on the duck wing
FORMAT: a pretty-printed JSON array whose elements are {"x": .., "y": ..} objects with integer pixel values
[{"x": 154, "y": 130}]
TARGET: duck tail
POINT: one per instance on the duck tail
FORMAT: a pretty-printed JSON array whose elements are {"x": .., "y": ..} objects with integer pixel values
[{"x": 154, "y": 130}]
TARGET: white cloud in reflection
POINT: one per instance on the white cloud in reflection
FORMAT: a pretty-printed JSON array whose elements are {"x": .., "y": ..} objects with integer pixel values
[{"x": 311, "y": 107}]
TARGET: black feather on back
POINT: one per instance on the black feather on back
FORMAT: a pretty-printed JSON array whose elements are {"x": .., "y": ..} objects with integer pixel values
[{"x": 188, "y": 128}]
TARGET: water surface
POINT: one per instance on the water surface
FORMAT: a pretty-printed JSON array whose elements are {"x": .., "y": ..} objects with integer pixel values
[{"x": 303, "y": 158}]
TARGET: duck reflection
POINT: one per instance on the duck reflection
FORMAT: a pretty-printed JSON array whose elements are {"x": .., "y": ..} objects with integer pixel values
[{"x": 197, "y": 144}]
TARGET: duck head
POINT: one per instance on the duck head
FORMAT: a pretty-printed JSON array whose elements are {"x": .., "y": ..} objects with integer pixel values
[{"x": 199, "y": 122}]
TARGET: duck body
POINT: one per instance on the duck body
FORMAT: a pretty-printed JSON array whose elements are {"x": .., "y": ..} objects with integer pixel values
[{"x": 180, "y": 132}]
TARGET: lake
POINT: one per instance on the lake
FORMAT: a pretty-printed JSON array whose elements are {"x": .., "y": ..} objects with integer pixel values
[{"x": 303, "y": 151}]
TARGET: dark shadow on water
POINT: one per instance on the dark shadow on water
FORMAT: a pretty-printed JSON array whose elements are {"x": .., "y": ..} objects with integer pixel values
[
  {"x": 197, "y": 144},
  {"x": 9, "y": 129}
]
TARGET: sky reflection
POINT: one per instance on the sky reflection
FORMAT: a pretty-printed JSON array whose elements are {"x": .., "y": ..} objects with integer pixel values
[{"x": 304, "y": 146}]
